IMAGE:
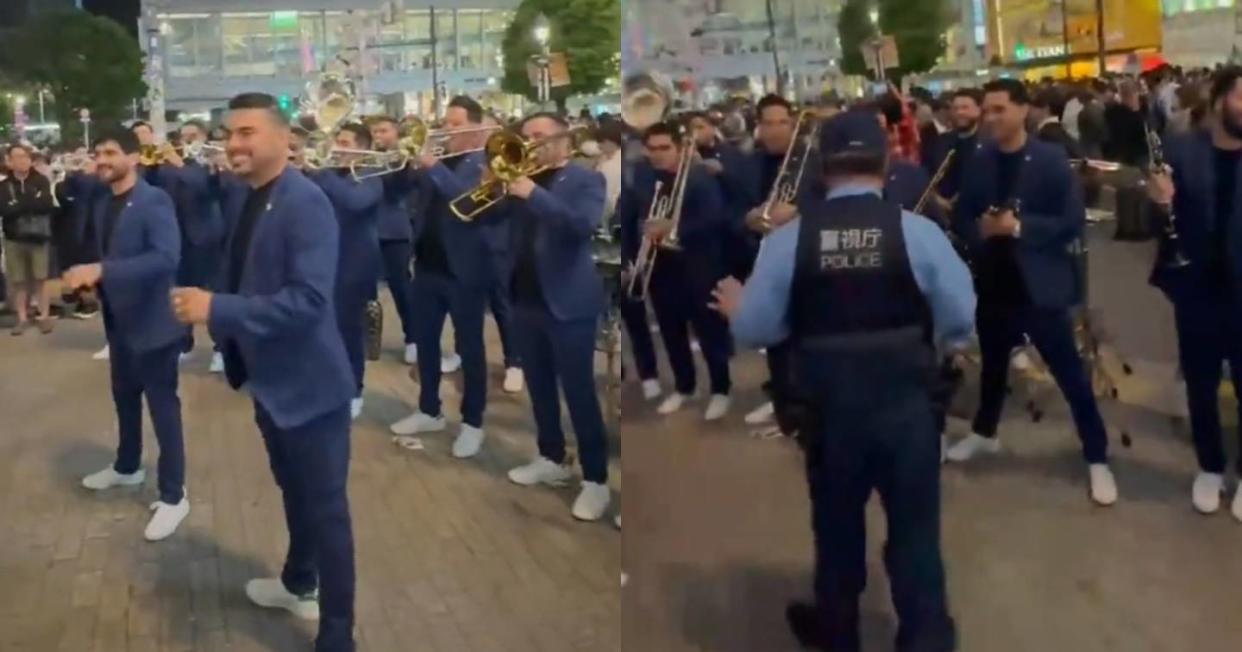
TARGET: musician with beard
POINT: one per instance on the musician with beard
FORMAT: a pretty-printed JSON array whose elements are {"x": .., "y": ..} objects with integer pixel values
[
  {"x": 453, "y": 275},
  {"x": 960, "y": 142},
  {"x": 357, "y": 206},
  {"x": 683, "y": 277},
  {"x": 395, "y": 233},
  {"x": 1201, "y": 272},
  {"x": 138, "y": 246},
  {"x": 733, "y": 172},
  {"x": 1019, "y": 213}
]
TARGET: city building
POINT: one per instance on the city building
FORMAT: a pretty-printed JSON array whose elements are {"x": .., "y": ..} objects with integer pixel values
[
  {"x": 211, "y": 50},
  {"x": 1059, "y": 38},
  {"x": 713, "y": 48},
  {"x": 1201, "y": 32}
]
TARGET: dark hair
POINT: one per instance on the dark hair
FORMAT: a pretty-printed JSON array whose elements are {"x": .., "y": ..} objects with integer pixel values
[
  {"x": 197, "y": 124},
  {"x": 124, "y": 138},
  {"x": 1015, "y": 89},
  {"x": 140, "y": 123},
  {"x": 891, "y": 107},
  {"x": 1044, "y": 100},
  {"x": 1223, "y": 82},
  {"x": 22, "y": 146},
  {"x": 771, "y": 100},
  {"x": 299, "y": 131},
  {"x": 259, "y": 101},
  {"x": 665, "y": 128},
  {"x": 972, "y": 94},
  {"x": 362, "y": 135},
  {"x": 855, "y": 164},
  {"x": 474, "y": 111},
  {"x": 610, "y": 131},
  {"x": 542, "y": 114}
]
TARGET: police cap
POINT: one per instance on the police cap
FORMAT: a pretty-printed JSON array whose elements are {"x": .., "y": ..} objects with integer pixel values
[{"x": 856, "y": 132}]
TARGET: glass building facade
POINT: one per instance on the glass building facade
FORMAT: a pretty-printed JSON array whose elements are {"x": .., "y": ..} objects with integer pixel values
[{"x": 213, "y": 49}]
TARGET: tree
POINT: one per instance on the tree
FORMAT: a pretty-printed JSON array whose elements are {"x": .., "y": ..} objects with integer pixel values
[
  {"x": 85, "y": 61},
  {"x": 587, "y": 31},
  {"x": 917, "y": 25}
]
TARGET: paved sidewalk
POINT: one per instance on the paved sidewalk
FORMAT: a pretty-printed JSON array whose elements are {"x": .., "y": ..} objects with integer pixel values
[{"x": 452, "y": 557}]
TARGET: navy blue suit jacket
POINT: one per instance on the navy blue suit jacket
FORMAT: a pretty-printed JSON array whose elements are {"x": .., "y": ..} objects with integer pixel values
[
  {"x": 197, "y": 205},
  {"x": 1194, "y": 205},
  {"x": 357, "y": 208},
  {"x": 739, "y": 182},
  {"x": 279, "y": 331},
  {"x": 905, "y": 183},
  {"x": 564, "y": 217},
  {"x": 704, "y": 221},
  {"x": 1051, "y": 212},
  {"x": 394, "y": 210},
  {"x": 139, "y": 267},
  {"x": 464, "y": 242}
]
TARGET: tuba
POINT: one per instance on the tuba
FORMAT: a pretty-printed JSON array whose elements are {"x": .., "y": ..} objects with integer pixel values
[
  {"x": 645, "y": 99},
  {"x": 331, "y": 99}
]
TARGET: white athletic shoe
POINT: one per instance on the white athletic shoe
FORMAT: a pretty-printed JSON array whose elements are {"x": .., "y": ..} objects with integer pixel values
[
  {"x": 592, "y": 501},
  {"x": 271, "y": 593},
  {"x": 166, "y": 519},
  {"x": 217, "y": 363},
  {"x": 418, "y": 422},
  {"x": 450, "y": 364},
  {"x": 1020, "y": 360},
  {"x": 651, "y": 389},
  {"x": 1207, "y": 491},
  {"x": 355, "y": 408},
  {"x": 102, "y": 354},
  {"x": 672, "y": 404},
  {"x": 970, "y": 446},
  {"x": 411, "y": 354},
  {"x": 717, "y": 407},
  {"x": 1103, "y": 485},
  {"x": 760, "y": 415},
  {"x": 515, "y": 380},
  {"x": 468, "y": 442},
  {"x": 541, "y": 471},
  {"x": 109, "y": 478}
]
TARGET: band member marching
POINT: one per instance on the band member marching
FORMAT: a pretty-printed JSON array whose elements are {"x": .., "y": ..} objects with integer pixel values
[
  {"x": 275, "y": 321},
  {"x": 958, "y": 143},
  {"x": 1199, "y": 270},
  {"x": 734, "y": 173},
  {"x": 862, "y": 291},
  {"x": 394, "y": 234},
  {"x": 357, "y": 205},
  {"x": 558, "y": 298},
  {"x": 1019, "y": 211},
  {"x": 687, "y": 242},
  {"x": 139, "y": 249},
  {"x": 452, "y": 278}
]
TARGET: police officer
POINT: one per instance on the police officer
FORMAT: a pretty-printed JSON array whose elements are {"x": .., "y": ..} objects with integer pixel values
[
  {"x": 863, "y": 291},
  {"x": 1019, "y": 212},
  {"x": 1196, "y": 274}
]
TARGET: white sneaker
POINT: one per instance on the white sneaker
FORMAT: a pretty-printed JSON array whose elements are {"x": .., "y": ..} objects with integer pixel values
[
  {"x": 515, "y": 380},
  {"x": 970, "y": 446},
  {"x": 617, "y": 521},
  {"x": 695, "y": 346},
  {"x": 1103, "y": 485},
  {"x": 271, "y": 593},
  {"x": 355, "y": 408},
  {"x": 167, "y": 518},
  {"x": 1237, "y": 504},
  {"x": 468, "y": 442},
  {"x": 760, "y": 415},
  {"x": 185, "y": 357},
  {"x": 592, "y": 501},
  {"x": 1020, "y": 360},
  {"x": 450, "y": 364},
  {"x": 651, "y": 389},
  {"x": 672, "y": 404},
  {"x": 542, "y": 470},
  {"x": 102, "y": 354},
  {"x": 418, "y": 422},
  {"x": 108, "y": 478},
  {"x": 411, "y": 354},
  {"x": 217, "y": 363},
  {"x": 1207, "y": 491},
  {"x": 717, "y": 407}
]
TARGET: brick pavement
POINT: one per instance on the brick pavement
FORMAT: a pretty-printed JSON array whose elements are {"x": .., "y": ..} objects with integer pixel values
[
  {"x": 452, "y": 557},
  {"x": 718, "y": 533}
]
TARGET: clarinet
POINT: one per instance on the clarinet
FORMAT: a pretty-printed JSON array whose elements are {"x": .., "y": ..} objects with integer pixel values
[{"x": 1170, "y": 254}]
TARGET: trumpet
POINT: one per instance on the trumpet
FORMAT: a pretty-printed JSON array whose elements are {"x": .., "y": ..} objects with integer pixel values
[
  {"x": 793, "y": 168},
  {"x": 667, "y": 207},
  {"x": 509, "y": 157},
  {"x": 416, "y": 140}
]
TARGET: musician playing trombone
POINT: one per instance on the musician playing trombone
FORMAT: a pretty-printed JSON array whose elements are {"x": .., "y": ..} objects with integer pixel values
[{"x": 684, "y": 237}]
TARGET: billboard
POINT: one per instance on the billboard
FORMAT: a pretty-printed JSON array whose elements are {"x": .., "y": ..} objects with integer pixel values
[{"x": 1031, "y": 30}]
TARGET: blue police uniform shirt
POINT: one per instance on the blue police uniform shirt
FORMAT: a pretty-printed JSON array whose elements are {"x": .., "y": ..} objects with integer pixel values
[{"x": 763, "y": 316}]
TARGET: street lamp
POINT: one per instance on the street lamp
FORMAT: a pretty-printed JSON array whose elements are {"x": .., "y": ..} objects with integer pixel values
[
  {"x": 875, "y": 17},
  {"x": 542, "y": 31}
]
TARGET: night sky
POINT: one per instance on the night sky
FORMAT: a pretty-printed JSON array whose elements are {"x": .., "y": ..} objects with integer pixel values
[{"x": 124, "y": 12}]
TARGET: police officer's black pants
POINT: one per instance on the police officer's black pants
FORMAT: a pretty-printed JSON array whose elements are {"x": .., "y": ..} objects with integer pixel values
[
  {"x": 1209, "y": 332},
  {"x": 878, "y": 433},
  {"x": 1052, "y": 332}
]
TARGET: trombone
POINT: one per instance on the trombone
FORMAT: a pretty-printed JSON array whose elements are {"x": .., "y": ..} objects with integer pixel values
[
  {"x": 667, "y": 207},
  {"x": 416, "y": 139},
  {"x": 509, "y": 157},
  {"x": 793, "y": 168}
]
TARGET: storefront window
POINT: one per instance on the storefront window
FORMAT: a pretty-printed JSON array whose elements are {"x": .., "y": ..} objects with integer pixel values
[
  {"x": 470, "y": 36},
  {"x": 446, "y": 39},
  {"x": 495, "y": 22},
  {"x": 249, "y": 45},
  {"x": 192, "y": 43},
  {"x": 418, "y": 39}
]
